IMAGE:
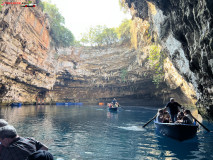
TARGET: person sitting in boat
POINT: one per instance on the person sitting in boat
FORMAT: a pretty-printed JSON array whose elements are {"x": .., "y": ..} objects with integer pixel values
[
  {"x": 187, "y": 119},
  {"x": 15, "y": 146},
  {"x": 166, "y": 117},
  {"x": 173, "y": 109},
  {"x": 160, "y": 116},
  {"x": 109, "y": 105},
  {"x": 116, "y": 104},
  {"x": 180, "y": 117}
]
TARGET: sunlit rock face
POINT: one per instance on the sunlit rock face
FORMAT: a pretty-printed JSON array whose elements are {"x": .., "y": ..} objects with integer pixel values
[
  {"x": 185, "y": 30},
  {"x": 26, "y": 69},
  {"x": 174, "y": 80},
  {"x": 95, "y": 75}
]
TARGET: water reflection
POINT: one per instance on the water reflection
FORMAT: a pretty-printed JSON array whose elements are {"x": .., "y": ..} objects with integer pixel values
[
  {"x": 112, "y": 115},
  {"x": 177, "y": 149}
]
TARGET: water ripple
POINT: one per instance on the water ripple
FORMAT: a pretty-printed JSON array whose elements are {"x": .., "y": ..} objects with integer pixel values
[{"x": 133, "y": 128}]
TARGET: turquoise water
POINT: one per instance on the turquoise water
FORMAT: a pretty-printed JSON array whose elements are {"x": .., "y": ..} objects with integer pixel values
[{"x": 93, "y": 133}]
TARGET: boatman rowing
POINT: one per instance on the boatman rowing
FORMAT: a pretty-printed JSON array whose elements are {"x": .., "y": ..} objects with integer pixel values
[
  {"x": 114, "y": 101},
  {"x": 174, "y": 108}
]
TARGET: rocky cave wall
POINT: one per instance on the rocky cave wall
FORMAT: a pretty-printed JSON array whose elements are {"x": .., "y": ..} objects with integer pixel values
[
  {"x": 185, "y": 30},
  {"x": 93, "y": 75},
  {"x": 26, "y": 73}
]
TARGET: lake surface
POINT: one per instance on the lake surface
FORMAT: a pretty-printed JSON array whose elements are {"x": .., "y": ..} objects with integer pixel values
[{"x": 94, "y": 133}]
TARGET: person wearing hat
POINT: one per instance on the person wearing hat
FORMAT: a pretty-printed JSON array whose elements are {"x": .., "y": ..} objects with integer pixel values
[
  {"x": 15, "y": 147},
  {"x": 40, "y": 155},
  {"x": 173, "y": 109}
]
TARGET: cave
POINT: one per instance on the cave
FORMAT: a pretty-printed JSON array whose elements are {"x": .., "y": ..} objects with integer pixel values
[{"x": 90, "y": 73}]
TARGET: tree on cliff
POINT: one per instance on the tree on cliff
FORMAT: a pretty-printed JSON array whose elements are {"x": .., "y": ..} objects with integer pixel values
[
  {"x": 62, "y": 36},
  {"x": 103, "y": 36},
  {"x": 123, "y": 31},
  {"x": 99, "y": 36}
]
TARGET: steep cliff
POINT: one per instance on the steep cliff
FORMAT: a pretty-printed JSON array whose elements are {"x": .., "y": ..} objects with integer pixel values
[
  {"x": 185, "y": 30},
  {"x": 26, "y": 70}
]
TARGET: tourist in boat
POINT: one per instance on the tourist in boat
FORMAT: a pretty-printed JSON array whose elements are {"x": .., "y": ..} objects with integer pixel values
[
  {"x": 109, "y": 105},
  {"x": 160, "y": 116},
  {"x": 116, "y": 104},
  {"x": 180, "y": 117},
  {"x": 41, "y": 155},
  {"x": 15, "y": 146},
  {"x": 173, "y": 109},
  {"x": 166, "y": 117},
  {"x": 187, "y": 119}
]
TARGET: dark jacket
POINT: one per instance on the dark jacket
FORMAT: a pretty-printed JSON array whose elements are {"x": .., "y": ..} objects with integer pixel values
[
  {"x": 173, "y": 107},
  {"x": 114, "y": 101},
  {"x": 186, "y": 120},
  {"x": 20, "y": 149}
]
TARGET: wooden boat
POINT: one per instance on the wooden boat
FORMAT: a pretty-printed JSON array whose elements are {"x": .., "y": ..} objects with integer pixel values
[
  {"x": 176, "y": 130},
  {"x": 112, "y": 107}
]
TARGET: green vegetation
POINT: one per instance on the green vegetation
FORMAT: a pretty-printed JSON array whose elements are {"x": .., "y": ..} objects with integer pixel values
[
  {"x": 156, "y": 60},
  {"x": 100, "y": 36},
  {"x": 103, "y": 36},
  {"x": 123, "y": 74},
  {"x": 123, "y": 31},
  {"x": 62, "y": 36}
]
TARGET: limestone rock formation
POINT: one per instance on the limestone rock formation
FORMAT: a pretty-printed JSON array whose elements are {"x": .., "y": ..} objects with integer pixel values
[
  {"x": 92, "y": 75},
  {"x": 185, "y": 29},
  {"x": 25, "y": 69}
]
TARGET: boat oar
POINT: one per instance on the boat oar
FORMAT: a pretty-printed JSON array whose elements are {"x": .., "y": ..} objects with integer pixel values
[
  {"x": 149, "y": 121},
  {"x": 200, "y": 123}
]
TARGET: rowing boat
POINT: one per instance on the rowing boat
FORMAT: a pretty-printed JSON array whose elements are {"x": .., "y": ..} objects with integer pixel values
[
  {"x": 176, "y": 130},
  {"x": 113, "y": 109}
]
